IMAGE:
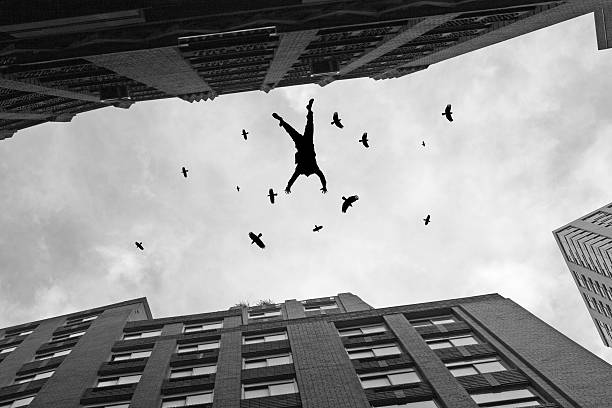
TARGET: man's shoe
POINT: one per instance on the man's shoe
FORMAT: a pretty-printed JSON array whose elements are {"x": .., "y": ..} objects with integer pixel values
[{"x": 275, "y": 116}]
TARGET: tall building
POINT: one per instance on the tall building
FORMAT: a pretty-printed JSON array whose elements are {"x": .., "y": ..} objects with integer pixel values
[
  {"x": 586, "y": 245},
  {"x": 332, "y": 352},
  {"x": 58, "y": 59}
]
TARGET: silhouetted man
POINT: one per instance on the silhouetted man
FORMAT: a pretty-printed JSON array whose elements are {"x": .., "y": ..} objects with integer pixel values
[{"x": 305, "y": 158}]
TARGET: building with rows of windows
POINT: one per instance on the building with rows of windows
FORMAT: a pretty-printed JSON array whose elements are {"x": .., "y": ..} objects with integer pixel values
[
  {"x": 333, "y": 352},
  {"x": 57, "y": 61},
  {"x": 586, "y": 245}
]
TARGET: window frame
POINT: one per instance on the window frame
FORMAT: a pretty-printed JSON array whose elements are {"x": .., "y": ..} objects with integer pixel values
[
  {"x": 320, "y": 308},
  {"x": 266, "y": 358},
  {"x": 20, "y": 379},
  {"x": 431, "y": 321},
  {"x": 177, "y": 369},
  {"x": 360, "y": 328},
  {"x": 11, "y": 402},
  {"x": 114, "y": 355},
  {"x": 449, "y": 339},
  {"x": 8, "y": 350},
  {"x": 172, "y": 398},
  {"x": 268, "y": 384},
  {"x": 45, "y": 356},
  {"x": 118, "y": 378},
  {"x": 140, "y": 334},
  {"x": 246, "y": 338},
  {"x": 372, "y": 348},
  {"x": 265, "y": 314},
  {"x": 187, "y": 327},
  {"x": 388, "y": 373},
  {"x": 197, "y": 345},
  {"x": 67, "y": 336},
  {"x": 535, "y": 398},
  {"x": 473, "y": 362}
]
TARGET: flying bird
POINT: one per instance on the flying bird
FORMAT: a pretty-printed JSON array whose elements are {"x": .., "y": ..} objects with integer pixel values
[
  {"x": 255, "y": 239},
  {"x": 348, "y": 202},
  {"x": 364, "y": 139},
  {"x": 271, "y": 194},
  {"x": 423, "y": 143},
  {"x": 447, "y": 112},
  {"x": 237, "y": 188},
  {"x": 244, "y": 134},
  {"x": 427, "y": 219},
  {"x": 139, "y": 245},
  {"x": 336, "y": 121},
  {"x": 184, "y": 170},
  {"x": 317, "y": 228}
]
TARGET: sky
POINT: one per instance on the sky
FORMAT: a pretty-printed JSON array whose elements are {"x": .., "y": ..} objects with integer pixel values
[{"x": 528, "y": 152}]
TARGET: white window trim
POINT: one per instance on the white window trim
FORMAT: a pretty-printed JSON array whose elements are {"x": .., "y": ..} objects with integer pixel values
[
  {"x": 266, "y": 357},
  {"x": 372, "y": 348},
  {"x": 11, "y": 403},
  {"x": 449, "y": 338},
  {"x": 131, "y": 354},
  {"x": 67, "y": 336},
  {"x": 429, "y": 321},
  {"x": 45, "y": 356},
  {"x": 246, "y": 338},
  {"x": 245, "y": 387},
  {"x": 7, "y": 350},
  {"x": 365, "y": 376}
]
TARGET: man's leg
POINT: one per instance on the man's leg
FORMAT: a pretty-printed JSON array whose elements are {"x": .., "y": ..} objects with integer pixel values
[
  {"x": 289, "y": 129},
  {"x": 309, "y": 129}
]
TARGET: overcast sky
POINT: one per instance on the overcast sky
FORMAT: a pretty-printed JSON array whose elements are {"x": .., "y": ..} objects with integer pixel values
[{"x": 529, "y": 151}]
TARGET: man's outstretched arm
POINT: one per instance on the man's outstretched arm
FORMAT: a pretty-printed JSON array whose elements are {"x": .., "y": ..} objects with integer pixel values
[
  {"x": 323, "y": 181},
  {"x": 291, "y": 181}
]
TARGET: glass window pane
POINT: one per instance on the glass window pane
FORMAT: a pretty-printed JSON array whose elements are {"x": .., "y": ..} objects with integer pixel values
[
  {"x": 180, "y": 373},
  {"x": 174, "y": 403},
  {"x": 501, "y": 396},
  {"x": 286, "y": 388},
  {"x": 276, "y": 337},
  {"x": 151, "y": 334},
  {"x": 461, "y": 371},
  {"x": 375, "y": 382},
  {"x": 252, "y": 340},
  {"x": 256, "y": 392},
  {"x": 61, "y": 353},
  {"x": 443, "y": 321},
  {"x": 350, "y": 332},
  {"x": 22, "y": 402},
  {"x": 256, "y": 363},
  {"x": 439, "y": 344},
  {"x": 529, "y": 404},
  {"x": 129, "y": 379},
  {"x": 420, "y": 404},
  {"x": 187, "y": 349},
  {"x": 131, "y": 336},
  {"x": 121, "y": 357},
  {"x": 386, "y": 351},
  {"x": 43, "y": 375},
  {"x": 404, "y": 378},
  {"x": 208, "y": 346},
  {"x": 141, "y": 354},
  {"x": 360, "y": 354},
  {"x": 107, "y": 383},
  {"x": 279, "y": 360},
  {"x": 491, "y": 367},
  {"x": 374, "y": 329},
  {"x": 464, "y": 341},
  {"x": 199, "y": 399},
  {"x": 204, "y": 370}
]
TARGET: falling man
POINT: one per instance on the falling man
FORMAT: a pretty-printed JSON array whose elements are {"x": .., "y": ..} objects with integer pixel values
[{"x": 305, "y": 158}]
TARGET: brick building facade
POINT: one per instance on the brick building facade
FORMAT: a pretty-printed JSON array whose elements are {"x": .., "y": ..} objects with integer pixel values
[
  {"x": 56, "y": 62},
  {"x": 586, "y": 245},
  {"x": 333, "y": 352}
]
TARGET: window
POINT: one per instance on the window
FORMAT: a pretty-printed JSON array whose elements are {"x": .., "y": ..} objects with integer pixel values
[
  {"x": 186, "y": 400},
  {"x": 454, "y": 341},
  {"x": 509, "y": 398},
  {"x": 479, "y": 366},
  {"x": 51, "y": 355},
  {"x": 192, "y": 328},
  {"x": 387, "y": 378},
  {"x": 193, "y": 371},
  {"x": 22, "y": 333},
  {"x": 262, "y": 314},
  {"x": 373, "y": 351},
  {"x": 7, "y": 350},
  {"x": 33, "y": 377},
  {"x": 417, "y": 404},
  {"x": 67, "y": 336},
  {"x": 124, "y": 379},
  {"x": 22, "y": 402},
  {"x": 362, "y": 330},
  {"x": 120, "y": 405},
  {"x": 269, "y": 389},
  {"x": 130, "y": 355},
  {"x": 141, "y": 335},
  {"x": 267, "y": 361},
  {"x": 265, "y": 338},
  {"x": 433, "y": 321},
  {"x": 320, "y": 307},
  {"x": 188, "y": 348},
  {"x": 81, "y": 320}
]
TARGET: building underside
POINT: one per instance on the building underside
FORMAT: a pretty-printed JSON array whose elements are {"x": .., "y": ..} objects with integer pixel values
[{"x": 56, "y": 62}]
